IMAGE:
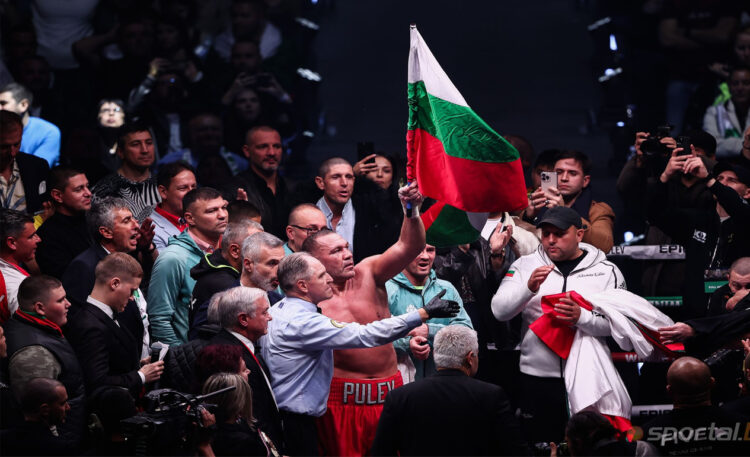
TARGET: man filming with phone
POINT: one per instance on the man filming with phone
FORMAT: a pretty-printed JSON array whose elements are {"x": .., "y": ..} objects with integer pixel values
[{"x": 569, "y": 186}]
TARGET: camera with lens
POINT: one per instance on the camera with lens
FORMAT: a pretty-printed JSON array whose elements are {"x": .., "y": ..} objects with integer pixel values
[
  {"x": 544, "y": 449},
  {"x": 171, "y": 423},
  {"x": 652, "y": 145}
]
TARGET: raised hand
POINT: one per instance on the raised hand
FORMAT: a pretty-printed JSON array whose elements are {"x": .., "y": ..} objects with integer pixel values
[{"x": 437, "y": 307}]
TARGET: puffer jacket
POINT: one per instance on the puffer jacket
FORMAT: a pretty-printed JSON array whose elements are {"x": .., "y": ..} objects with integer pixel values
[
  {"x": 179, "y": 363},
  {"x": 403, "y": 298},
  {"x": 593, "y": 274}
]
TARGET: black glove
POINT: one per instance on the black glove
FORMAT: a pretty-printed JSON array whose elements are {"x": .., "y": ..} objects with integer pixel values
[{"x": 437, "y": 307}]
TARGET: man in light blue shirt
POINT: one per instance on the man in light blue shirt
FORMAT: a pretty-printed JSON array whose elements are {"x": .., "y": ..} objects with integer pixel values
[
  {"x": 336, "y": 180},
  {"x": 300, "y": 342},
  {"x": 40, "y": 138}
]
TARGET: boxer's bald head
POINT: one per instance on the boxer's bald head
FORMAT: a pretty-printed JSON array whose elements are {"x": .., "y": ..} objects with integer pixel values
[{"x": 689, "y": 382}]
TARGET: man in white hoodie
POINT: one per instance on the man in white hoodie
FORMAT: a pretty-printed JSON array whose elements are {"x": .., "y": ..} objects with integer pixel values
[{"x": 562, "y": 263}]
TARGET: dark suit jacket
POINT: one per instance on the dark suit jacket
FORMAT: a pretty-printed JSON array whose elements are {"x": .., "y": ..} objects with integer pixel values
[
  {"x": 449, "y": 413},
  {"x": 78, "y": 281},
  {"x": 264, "y": 407},
  {"x": 109, "y": 354},
  {"x": 34, "y": 171}
]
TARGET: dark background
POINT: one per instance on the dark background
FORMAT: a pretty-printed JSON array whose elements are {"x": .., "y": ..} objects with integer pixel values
[{"x": 523, "y": 66}]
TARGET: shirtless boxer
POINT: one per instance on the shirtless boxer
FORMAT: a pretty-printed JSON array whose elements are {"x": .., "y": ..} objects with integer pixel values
[{"x": 362, "y": 377}]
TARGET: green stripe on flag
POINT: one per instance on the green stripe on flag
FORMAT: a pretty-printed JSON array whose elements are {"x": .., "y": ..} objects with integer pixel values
[
  {"x": 450, "y": 228},
  {"x": 462, "y": 132}
]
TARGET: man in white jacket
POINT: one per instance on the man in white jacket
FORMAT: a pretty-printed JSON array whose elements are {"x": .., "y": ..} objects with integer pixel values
[{"x": 562, "y": 263}]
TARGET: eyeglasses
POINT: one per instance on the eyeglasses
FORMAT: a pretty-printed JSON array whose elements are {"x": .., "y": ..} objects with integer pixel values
[
  {"x": 110, "y": 110},
  {"x": 309, "y": 230}
]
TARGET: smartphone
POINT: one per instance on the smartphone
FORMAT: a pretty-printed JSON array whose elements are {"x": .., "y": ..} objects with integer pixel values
[
  {"x": 684, "y": 143},
  {"x": 549, "y": 179},
  {"x": 364, "y": 149}
]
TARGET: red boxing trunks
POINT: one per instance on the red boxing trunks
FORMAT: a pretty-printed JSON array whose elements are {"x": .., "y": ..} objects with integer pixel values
[{"x": 354, "y": 406}]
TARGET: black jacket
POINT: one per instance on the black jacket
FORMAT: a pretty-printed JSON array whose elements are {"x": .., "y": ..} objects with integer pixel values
[
  {"x": 274, "y": 208},
  {"x": 237, "y": 439},
  {"x": 212, "y": 274},
  {"x": 473, "y": 270},
  {"x": 378, "y": 215},
  {"x": 22, "y": 333},
  {"x": 34, "y": 173},
  {"x": 378, "y": 219},
  {"x": 78, "y": 281},
  {"x": 63, "y": 238},
  {"x": 34, "y": 438},
  {"x": 477, "y": 414},
  {"x": 718, "y": 301},
  {"x": 713, "y": 332},
  {"x": 109, "y": 354},
  {"x": 709, "y": 242},
  {"x": 179, "y": 363},
  {"x": 264, "y": 405}
]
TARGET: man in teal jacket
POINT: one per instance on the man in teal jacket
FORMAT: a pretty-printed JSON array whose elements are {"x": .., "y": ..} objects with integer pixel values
[
  {"x": 410, "y": 290},
  {"x": 171, "y": 286}
]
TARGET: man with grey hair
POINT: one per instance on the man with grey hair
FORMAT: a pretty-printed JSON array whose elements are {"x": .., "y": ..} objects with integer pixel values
[
  {"x": 413, "y": 412},
  {"x": 243, "y": 315},
  {"x": 261, "y": 255},
  {"x": 114, "y": 229},
  {"x": 219, "y": 271},
  {"x": 300, "y": 342}
]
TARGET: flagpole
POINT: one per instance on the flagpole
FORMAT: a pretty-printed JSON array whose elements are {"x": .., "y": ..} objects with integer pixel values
[{"x": 409, "y": 210}]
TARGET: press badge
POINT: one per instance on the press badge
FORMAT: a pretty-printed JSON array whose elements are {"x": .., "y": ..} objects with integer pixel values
[{"x": 714, "y": 278}]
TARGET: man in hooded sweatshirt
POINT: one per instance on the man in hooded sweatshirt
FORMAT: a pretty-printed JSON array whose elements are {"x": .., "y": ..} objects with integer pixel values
[
  {"x": 171, "y": 285},
  {"x": 219, "y": 271},
  {"x": 416, "y": 285}
]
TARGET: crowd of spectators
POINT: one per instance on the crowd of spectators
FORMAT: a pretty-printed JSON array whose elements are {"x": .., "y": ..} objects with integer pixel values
[{"x": 152, "y": 236}]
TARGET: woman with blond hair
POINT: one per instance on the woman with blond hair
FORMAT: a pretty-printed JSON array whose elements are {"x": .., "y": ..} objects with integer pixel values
[{"x": 236, "y": 433}]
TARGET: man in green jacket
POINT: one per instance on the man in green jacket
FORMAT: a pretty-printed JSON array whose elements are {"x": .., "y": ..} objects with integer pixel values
[
  {"x": 171, "y": 286},
  {"x": 410, "y": 290}
]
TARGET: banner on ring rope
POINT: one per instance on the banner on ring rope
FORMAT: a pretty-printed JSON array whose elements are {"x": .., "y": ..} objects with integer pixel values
[
  {"x": 632, "y": 357},
  {"x": 665, "y": 302},
  {"x": 650, "y": 252},
  {"x": 640, "y": 413}
]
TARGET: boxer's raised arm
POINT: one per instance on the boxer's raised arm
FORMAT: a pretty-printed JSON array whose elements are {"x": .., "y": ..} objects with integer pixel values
[{"x": 410, "y": 243}]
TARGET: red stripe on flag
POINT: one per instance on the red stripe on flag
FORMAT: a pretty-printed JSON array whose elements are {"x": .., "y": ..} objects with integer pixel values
[
  {"x": 429, "y": 216},
  {"x": 466, "y": 184}
]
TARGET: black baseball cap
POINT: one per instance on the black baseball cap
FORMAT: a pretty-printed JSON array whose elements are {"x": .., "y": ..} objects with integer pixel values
[
  {"x": 703, "y": 140},
  {"x": 743, "y": 174},
  {"x": 561, "y": 217}
]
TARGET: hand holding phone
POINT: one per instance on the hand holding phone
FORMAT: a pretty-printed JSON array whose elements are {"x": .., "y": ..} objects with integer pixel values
[{"x": 549, "y": 179}]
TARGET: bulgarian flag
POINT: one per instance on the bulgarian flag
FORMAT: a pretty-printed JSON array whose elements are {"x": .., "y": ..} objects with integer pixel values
[{"x": 455, "y": 157}]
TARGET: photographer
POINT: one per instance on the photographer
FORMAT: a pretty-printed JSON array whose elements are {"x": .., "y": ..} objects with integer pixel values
[
  {"x": 651, "y": 159},
  {"x": 237, "y": 432},
  {"x": 713, "y": 238}
]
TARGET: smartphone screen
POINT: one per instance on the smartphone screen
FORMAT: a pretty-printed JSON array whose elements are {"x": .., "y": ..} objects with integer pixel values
[
  {"x": 364, "y": 149},
  {"x": 549, "y": 179}
]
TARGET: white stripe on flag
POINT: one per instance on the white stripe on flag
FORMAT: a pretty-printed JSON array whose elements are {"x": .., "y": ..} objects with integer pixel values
[{"x": 424, "y": 67}]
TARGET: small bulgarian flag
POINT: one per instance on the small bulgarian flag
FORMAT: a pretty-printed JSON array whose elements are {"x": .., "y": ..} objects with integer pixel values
[{"x": 455, "y": 157}]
